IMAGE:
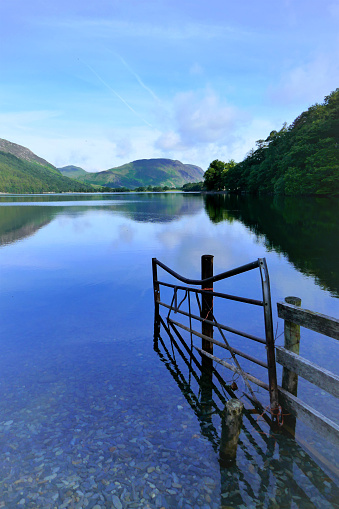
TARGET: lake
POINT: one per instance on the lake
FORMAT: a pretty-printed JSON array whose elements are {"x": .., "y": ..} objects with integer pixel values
[{"x": 96, "y": 413}]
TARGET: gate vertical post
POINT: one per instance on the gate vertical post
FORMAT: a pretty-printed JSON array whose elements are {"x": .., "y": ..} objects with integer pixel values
[
  {"x": 272, "y": 372},
  {"x": 206, "y": 302},
  {"x": 207, "y": 346},
  {"x": 156, "y": 291}
]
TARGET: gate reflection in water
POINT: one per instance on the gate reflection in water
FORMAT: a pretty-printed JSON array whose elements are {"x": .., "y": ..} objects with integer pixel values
[{"x": 270, "y": 464}]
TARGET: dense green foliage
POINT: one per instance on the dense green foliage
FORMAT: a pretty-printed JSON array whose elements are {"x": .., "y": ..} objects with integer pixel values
[
  {"x": 216, "y": 174},
  {"x": 302, "y": 158},
  {"x": 145, "y": 172},
  {"x": 198, "y": 186},
  {"x": 22, "y": 176}
]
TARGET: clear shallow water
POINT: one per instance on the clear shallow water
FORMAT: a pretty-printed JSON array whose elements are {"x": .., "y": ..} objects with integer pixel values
[{"x": 92, "y": 412}]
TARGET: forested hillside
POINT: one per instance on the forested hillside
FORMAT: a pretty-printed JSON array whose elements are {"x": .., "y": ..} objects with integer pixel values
[
  {"x": 302, "y": 158},
  {"x": 22, "y": 176}
]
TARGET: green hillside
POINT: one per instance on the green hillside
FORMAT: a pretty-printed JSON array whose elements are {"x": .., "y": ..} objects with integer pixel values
[
  {"x": 145, "y": 172},
  {"x": 22, "y": 153},
  {"x": 29, "y": 176},
  {"x": 72, "y": 172},
  {"x": 300, "y": 159}
]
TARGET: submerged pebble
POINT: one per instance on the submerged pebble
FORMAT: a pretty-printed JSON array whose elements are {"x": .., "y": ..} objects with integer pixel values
[{"x": 84, "y": 446}]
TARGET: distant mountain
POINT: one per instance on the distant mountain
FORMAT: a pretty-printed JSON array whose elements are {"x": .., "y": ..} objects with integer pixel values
[
  {"x": 72, "y": 171},
  {"x": 145, "y": 172},
  {"x": 22, "y": 153},
  {"x": 21, "y": 171}
]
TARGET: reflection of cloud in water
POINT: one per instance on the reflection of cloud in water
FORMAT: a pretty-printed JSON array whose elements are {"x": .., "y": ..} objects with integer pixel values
[
  {"x": 230, "y": 244},
  {"x": 125, "y": 234},
  {"x": 81, "y": 225}
]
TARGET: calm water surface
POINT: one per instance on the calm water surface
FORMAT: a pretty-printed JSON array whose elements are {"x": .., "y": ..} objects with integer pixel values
[{"x": 94, "y": 412}]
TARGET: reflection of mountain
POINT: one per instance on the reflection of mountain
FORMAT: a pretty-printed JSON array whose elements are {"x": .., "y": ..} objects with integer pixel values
[
  {"x": 162, "y": 207},
  {"x": 305, "y": 229},
  {"x": 19, "y": 222}
]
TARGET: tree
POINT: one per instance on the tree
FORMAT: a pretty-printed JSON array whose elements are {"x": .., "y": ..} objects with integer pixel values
[{"x": 214, "y": 175}]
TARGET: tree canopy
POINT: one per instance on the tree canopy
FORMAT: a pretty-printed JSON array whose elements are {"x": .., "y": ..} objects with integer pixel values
[
  {"x": 302, "y": 158},
  {"x": 215, "y": 176}
]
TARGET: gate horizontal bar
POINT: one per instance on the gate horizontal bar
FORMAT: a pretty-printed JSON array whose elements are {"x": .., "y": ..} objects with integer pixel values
[
  {"x": 215, "y": 294},
  {"x": 234, "y": 369},
  {"x": 218, "y": 277},
  {"x": 219, "y": 343},
  {"x": 224, "y": 327}
]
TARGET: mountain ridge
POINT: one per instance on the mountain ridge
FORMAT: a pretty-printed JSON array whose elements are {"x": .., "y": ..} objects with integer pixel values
[
  {"x": 22, "y": 171},
  {"x": 145, "y": 172},
  {"x": 22, "y": 152}
]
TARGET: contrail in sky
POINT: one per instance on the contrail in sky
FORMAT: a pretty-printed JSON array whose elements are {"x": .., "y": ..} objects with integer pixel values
[
  {"x": 150, "y": 91},
  {"x": 115, "y": 93}
]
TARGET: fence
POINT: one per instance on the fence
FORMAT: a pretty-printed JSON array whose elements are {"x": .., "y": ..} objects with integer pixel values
[
  {"x": 280, "y": 454},
  {"x": 295, "y": 365}
]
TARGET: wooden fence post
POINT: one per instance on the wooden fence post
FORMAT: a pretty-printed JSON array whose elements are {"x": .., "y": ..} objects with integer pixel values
[
  {"x": 289, "y": 378},
  {"x": 230, "y": 430},
  {"x": 291, "y": 343},
  {"x": 207, "y": 302}
]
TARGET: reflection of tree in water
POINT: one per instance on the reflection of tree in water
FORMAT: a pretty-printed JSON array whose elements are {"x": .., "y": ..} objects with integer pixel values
[{"x": 305, "y": 229}]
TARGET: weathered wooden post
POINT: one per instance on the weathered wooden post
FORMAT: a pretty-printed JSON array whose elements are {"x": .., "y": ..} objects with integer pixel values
[
  {"x": 230, "y": 431},
  {"x": 207, "y": 302},
  {"x": 156, "y": 290},
  {"x": 291, "y": 343},
  {"x": 289, "y": 378}
]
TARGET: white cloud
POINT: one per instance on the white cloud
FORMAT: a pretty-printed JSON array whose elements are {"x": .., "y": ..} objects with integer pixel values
[
  {"x": 309, "y": 82},
  {"x": 101, "y": 153},
  {"x": 168, "y": 141},
  {"x": 124, "y": 148},
  {"x": 198, "y": 120},
  {"x": 203, "y": 127},
  {"x": 105, "y": 28}
]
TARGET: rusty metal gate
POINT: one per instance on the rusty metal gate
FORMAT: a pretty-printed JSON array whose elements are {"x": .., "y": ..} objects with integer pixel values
[{"x": 205, "y": 297}]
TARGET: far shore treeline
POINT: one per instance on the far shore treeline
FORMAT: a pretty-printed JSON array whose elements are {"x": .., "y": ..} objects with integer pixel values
[{"x": 300, "y": 159}]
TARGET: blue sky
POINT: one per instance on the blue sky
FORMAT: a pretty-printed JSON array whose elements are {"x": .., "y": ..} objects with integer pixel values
[{"x": 102, "y": 84}]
